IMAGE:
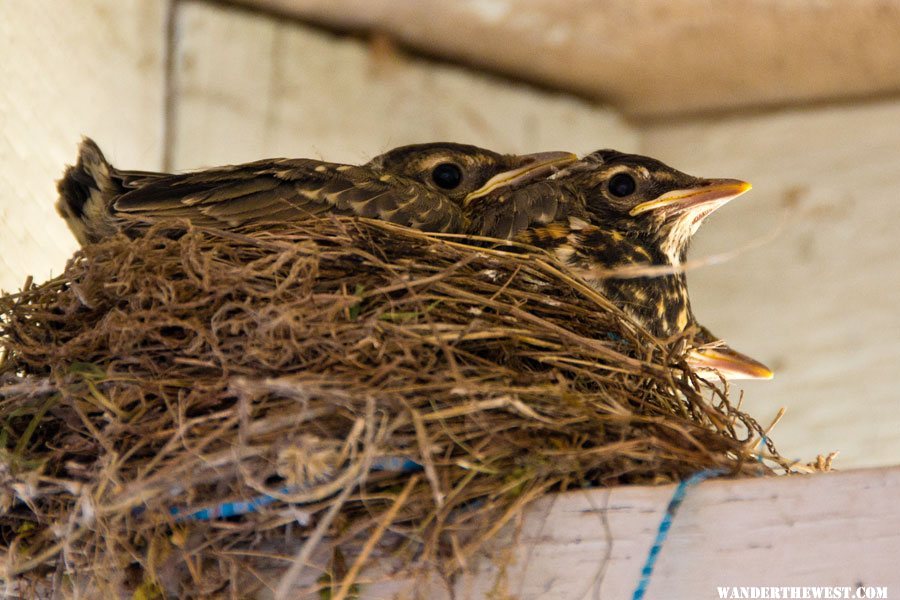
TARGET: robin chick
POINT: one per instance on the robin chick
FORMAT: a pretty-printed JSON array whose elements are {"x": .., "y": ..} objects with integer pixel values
[
  {"x": 420, "y": 186},
  {"x": 626, "y": 222}
]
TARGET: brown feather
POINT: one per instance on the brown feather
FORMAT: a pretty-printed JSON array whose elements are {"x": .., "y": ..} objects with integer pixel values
[{"x": 96, "y": 199}]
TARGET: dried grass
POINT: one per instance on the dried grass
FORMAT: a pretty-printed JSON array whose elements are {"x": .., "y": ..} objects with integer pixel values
[{"x": 171, "y": 371}]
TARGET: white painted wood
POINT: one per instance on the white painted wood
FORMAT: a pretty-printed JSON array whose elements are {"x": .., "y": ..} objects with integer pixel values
[
  {"x": 252, "y": 86},
  {"x": 91, "y": 67},
  {"x": 821, "y": 302},
  {"x": 835, "y": 529},
  {"x": 651, "y": 57}
]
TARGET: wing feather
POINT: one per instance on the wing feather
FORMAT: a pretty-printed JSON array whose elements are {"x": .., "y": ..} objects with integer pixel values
[
  {"x": 286, "y": 189},
  {"x": 508, "y": 214}
]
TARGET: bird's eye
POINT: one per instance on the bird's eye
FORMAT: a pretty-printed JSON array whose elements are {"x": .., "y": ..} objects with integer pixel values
[
  {"x": 621, "y": 185},
  {"x": 447, "y": 176}
]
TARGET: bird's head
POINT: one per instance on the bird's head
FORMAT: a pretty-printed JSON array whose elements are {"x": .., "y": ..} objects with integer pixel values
[
  {"x": 463, "y": 172},
  {"x": 645, "y": 197}
]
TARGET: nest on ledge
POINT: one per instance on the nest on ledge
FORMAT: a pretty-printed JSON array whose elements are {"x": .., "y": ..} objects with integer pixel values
[{"x": 348, "y": 389}]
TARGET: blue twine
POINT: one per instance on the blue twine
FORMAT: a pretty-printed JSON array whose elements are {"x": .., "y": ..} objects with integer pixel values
[
  {"x": 761, "y": 447},
  {"x": 243, "y": 507},
  {"x": 226, "y": 509},
  {"x": 395, "y": 463},
  {"x": 666, "y": 523}
]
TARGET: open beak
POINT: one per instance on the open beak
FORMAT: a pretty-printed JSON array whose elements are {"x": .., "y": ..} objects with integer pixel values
[
  {"x": 729, "y": 363},
  {"x": 532, "y": 166},
  {"x": 703, "y": 199}
]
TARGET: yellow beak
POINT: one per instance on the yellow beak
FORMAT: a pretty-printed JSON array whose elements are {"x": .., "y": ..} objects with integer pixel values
[
  {"x": 532, "y": 167},
  {"x": 712, "y": 194},
  {"x": 729, "y": 363}
]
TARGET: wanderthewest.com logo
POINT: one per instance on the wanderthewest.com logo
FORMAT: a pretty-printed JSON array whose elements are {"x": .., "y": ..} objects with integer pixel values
[{"x": 789, "y": 592}]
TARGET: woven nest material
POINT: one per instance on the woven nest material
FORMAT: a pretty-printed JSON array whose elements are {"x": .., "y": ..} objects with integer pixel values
[{"x": 302, "y": 371}]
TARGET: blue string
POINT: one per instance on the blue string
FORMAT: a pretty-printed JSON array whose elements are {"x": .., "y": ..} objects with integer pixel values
[
  {"x": 666, "y": 524},
  {"x": 226, "y": 509},
  {"x": 761, "y": 447},
  {"x": 243, "y": 507}
]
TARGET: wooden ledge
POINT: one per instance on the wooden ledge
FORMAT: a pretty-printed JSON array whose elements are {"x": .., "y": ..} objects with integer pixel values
[
  {"x": 649, "y": 57},
  {"x": 834, "y": 529}
]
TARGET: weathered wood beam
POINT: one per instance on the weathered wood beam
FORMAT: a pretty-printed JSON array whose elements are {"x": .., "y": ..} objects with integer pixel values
[
  {"x": 649, "y": 57},
  {"x": 68, "y": 69},
  {"x": 834, "y": 529}
]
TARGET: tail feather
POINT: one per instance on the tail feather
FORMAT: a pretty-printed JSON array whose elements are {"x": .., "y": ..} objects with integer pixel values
[{"x": 86, "y": 192}]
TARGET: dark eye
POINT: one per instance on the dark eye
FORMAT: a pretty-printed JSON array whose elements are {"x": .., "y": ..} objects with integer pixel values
[
  {"x": 621, "y": 185},
  {"x": 447, "y": 176}
]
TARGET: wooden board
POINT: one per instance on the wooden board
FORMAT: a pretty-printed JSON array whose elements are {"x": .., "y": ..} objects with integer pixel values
[
  {"x": 835, "y": 529},
  {"x": 650, "y": 57},
  {"x": 93, "y": 67}
]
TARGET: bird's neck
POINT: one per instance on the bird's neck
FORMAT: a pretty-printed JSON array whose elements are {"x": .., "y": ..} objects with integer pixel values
[
  {"x": 657, "y": 300},
  {"x": 674, "y": 237},
  {"x": 659, "y": 303},
  {"x": 661, "y": 250}
]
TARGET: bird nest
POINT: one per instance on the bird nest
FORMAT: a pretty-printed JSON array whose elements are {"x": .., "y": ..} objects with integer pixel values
[{"x": 184, "y": 414}]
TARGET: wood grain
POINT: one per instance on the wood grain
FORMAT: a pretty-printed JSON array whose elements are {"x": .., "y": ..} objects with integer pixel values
[
  {"x": 70, "y": 69},
  {"x": 835, "y": 529},
  {"x": 253, "y": 85},
  {"x": 650, "y": 57}
]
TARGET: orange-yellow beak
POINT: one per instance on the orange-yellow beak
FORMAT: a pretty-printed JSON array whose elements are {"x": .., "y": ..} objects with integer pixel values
[
  {"x": 531, "y": 166},
  {"x": 704, "y": 198},
  {"x": 729, "y": 363}
]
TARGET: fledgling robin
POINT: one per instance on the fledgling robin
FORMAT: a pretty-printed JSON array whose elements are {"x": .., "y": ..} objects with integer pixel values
[
  {"x": 420, "y": 186},
  {"x": 625, "y": 221}
]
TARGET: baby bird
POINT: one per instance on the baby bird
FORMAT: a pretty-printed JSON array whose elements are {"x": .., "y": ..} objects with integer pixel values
[
  {"x": 420, "y": 186},
  {"x": 625, "y": 221}
]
